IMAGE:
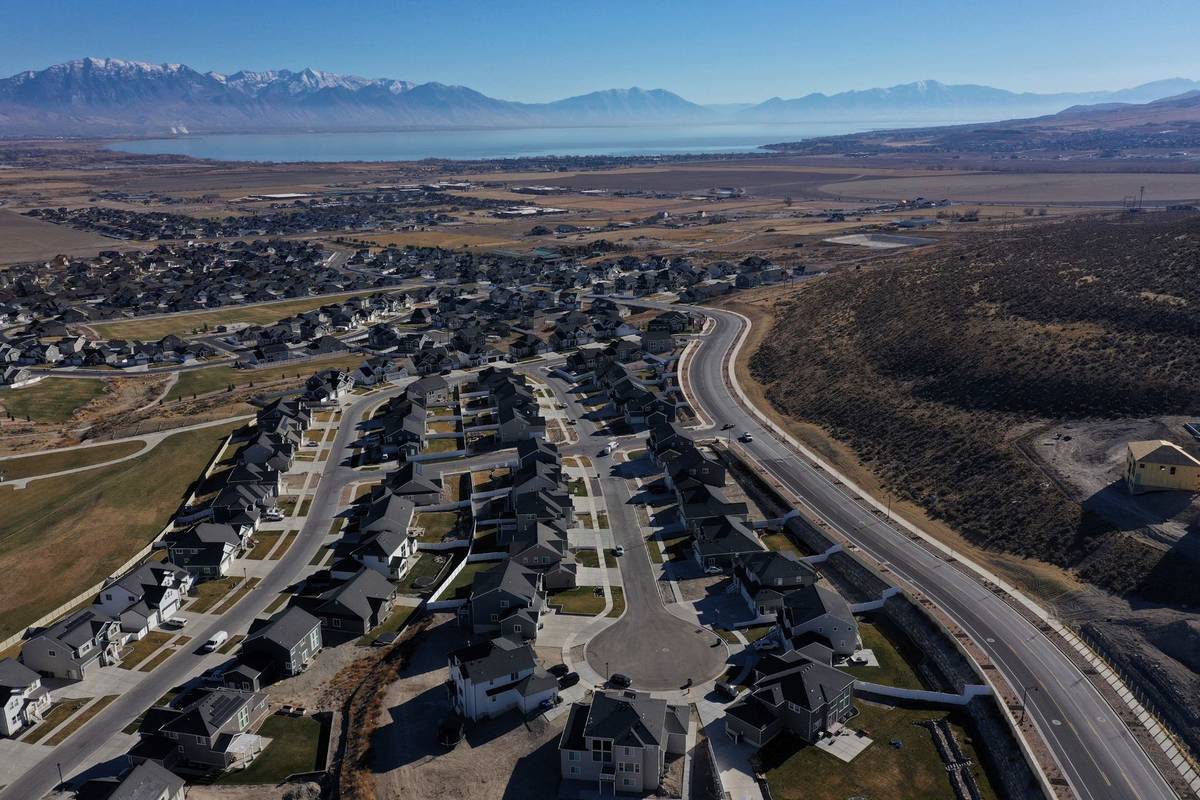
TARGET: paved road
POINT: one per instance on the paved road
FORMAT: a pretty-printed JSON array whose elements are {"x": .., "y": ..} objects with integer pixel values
[
  {"x": 657, "y": 649},
  {"x": 76, "y": 750},
  {"x": 1096, "y": 751}
]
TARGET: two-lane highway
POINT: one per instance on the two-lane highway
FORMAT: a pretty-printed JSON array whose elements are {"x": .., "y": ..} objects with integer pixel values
[{"x": 1096, "y": 752}]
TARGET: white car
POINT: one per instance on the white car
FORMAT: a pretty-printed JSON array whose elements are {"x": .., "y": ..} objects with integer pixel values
[
  {"x": 618, "y": 550},
  {"x": 713, "y": 570},
  {"x": 219, "y": 638},
  {"x": 175, "y": 622},
  {"x": 746, "y": 437}
]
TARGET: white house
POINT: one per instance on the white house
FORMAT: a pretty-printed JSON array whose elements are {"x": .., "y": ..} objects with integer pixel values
[
  {"x": 25, "y": 700},
  {"x": 491, "y": 678}
]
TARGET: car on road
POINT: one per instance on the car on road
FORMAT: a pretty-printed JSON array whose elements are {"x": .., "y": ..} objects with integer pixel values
[
  {"x": 727, "y": 426},
  {"x": 568, "y": 680},
  {"x": 746, "y": 437},
  {"x": 620, "y": 680},
  {"x": 619, "y": 550},
  {"x": 219, "y": 638}
]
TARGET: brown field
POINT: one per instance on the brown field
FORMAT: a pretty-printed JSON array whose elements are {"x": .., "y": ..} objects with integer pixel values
[
  {"x": 1088, "y": 188},
  {"x": 26, "y": 239}
]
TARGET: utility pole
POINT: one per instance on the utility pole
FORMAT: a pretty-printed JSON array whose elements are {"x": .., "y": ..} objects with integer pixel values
[
  {"x": 1024, "y": 700},
  {"x": 1141, "y": 196}
]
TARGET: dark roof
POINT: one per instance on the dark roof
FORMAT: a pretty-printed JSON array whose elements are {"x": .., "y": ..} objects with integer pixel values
[
  {"x": 487, "y": 661},
  {"x": 206, "y": 716},
  {"x": 287, "y": 628},
  {"x": 628, "y": 718},
  {"x": 148, "y": 781},
  {"x": 15, "y": 675}
]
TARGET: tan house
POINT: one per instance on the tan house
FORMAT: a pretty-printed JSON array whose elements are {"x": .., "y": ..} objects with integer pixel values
[{"x": 1159, "y": 466}]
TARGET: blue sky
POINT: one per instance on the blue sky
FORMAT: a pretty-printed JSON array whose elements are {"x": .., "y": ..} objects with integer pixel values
[{"x": 709, "y": 52}]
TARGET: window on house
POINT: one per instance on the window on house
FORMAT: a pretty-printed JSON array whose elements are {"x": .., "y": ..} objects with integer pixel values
[
  {"x": 574, "y": 770},
  {"x": 1172, "y": 470},
  {"x": 51, "y": 653},
  {"x": 494, "y": 617}
]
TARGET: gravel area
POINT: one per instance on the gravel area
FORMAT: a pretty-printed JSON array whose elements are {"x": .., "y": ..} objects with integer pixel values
[{"x": 501, "y": 758}]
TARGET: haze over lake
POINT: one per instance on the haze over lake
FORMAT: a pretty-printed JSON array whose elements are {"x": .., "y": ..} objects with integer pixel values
[{"x": 413, "y": 145}]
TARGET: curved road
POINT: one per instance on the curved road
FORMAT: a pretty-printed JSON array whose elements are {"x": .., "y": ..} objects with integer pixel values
[
  {"x": 659, "y": 650},
  {"x": 1097, "y": 753}
]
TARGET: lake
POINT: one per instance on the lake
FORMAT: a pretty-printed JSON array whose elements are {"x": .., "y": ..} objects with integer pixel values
[{"x": 484, "y": 143}]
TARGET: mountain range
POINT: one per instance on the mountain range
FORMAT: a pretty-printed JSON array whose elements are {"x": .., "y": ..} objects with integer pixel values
[{"x": 106, "y": 96}]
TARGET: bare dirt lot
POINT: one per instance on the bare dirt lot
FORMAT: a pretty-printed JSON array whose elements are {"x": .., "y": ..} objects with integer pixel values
[
  {"x": 1021, "y": 188},
  {"x": 506, "y": 758},
  {"x": 26, "y": 239}
]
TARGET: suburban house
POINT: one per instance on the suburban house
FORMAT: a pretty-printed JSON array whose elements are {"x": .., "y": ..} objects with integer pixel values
[
  {"x": 288, "y": 641},
  {"x": 720, "y": 541},
  {"x": 792, "y": 692},
  {"x": 349, "y": 607},
  {"x": 328, "y": 387},
  {"x": 146, "y": 597},
  {"x": 146, "y": 781},
  {"x": 432, "y": 390},
  {"x": 764, "y": 579},
  {"x": 205, "y": 550},
  {"x": 25, "y": 700},
  {"x": 214, "y": 732},
  {"x": 410, "y": 482},
  {"x": 388, "y": 552},
  {"x": 493, "y": 677},
  {"x": 544, "y": 549},
  {"x": 814, "y": 613},
  {"x": 508, "y": 598},
  {"x": 1158, "y": 466},
  {"x": 74, "y": 646},
  {"x": 620, "y": 741}
]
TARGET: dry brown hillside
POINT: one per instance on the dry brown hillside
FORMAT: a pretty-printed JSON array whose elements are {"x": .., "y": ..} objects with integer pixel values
[{"x": 926, "y": 368}]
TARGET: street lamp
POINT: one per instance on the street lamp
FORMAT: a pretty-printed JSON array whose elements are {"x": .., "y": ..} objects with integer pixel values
[{"x": 60, "y": 775}]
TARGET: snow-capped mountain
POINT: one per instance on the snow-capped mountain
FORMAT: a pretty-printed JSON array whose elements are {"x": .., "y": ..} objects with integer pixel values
[{"x": 108, "y": 96}]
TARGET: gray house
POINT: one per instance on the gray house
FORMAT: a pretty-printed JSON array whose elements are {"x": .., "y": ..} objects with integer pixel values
[
  {"x": 792, "y": 692},
  {"x": 491, "y": 678},
  {"x": 503, "y": 591},
  {"x": 290, "y": 640},
  {"x": 619, "y": 743},
  {"x": 215, "y": 731},
  {"x": 149, "y": 781},
  {"x": 764, "y": 579},
  {"x": 72, "y": 648},
  {"x": 816, "y": 614}
]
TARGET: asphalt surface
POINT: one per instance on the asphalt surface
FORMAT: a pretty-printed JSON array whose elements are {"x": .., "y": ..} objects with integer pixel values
[
  {"x": 1097, "y": 753},
  {"x": 659, "y": 650},
  {"x": 186, "y": 664}
]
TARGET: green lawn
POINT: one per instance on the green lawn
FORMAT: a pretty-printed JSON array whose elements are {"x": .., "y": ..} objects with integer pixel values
[
  {"x": 142, "y": 649},
  {"x": 212, "y": 379},
  {"x": 277, "y": 603},
  {"x": 437, "y": 524},
  {"x": 756, "y": 632},
  {"x": 679, "y": 548},
  {"x": 209, "y": 593},
  {"x": 231, "y": 644},
  {"x": 295, "y": 747},
  {"x": 159, "y": 658},
  {"x": 780, "y": 543},
  {"x": 47, "y": 463},
  {"x": 51, "y": 399},
  {"x": 889, "y": 647},
  {"x": 55, "y": 717},
  {"x": 442, "y": 426},
  {"x": 653, "y": 549},
  {"x": 589, "y": 558},
  {"x": 185, "y": 323},
  {"x": 289, "y": 539},
  {"x": 460, "y": 587},
  {"x": 266, "y": 543},
  {"x": 446, "y": 445},
  {"x": 393, "y": 623},
  {"x": 578, "y": 487},
  {"x": 81, "y": 528},
  {"x": 427, "y": 568},
  {"x": 798, "y": 772},
  {"x": 486, "y": 540},
  {"x": 583, "y": 600}
]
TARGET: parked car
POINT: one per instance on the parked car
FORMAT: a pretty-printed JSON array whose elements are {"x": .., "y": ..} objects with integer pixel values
[
  {"x": 713, "y": 570},
  {"x": 219, "y": 638},
  {"x": 727, "y": 690},
  {"x": 273, "y": 515},
  {"x": 620, "y": 680},
  {"x": 550, "y": 702},
  {"x": 746, "y": 437},
  {"x": 618, "y": 550},
  {"x": 568, "y": 680},
  {"x": 175, "y": 622},
  {"x": 558, "y": 670}
]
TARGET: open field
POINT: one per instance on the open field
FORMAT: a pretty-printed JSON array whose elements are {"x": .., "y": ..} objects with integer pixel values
[
  {"x": 46, "y": 463},
  {"x": 294, "y": 748},
  {"x": 82, "y": 530},
  {"x": 212, "y": 379},
  {"x": 27, "y": 239},
  {"x": 1088, "y": 188},
  {"x": 51, "y": 399},
  {"x": 183, "y": 324},
  {"x": 796, "y": 771}
]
